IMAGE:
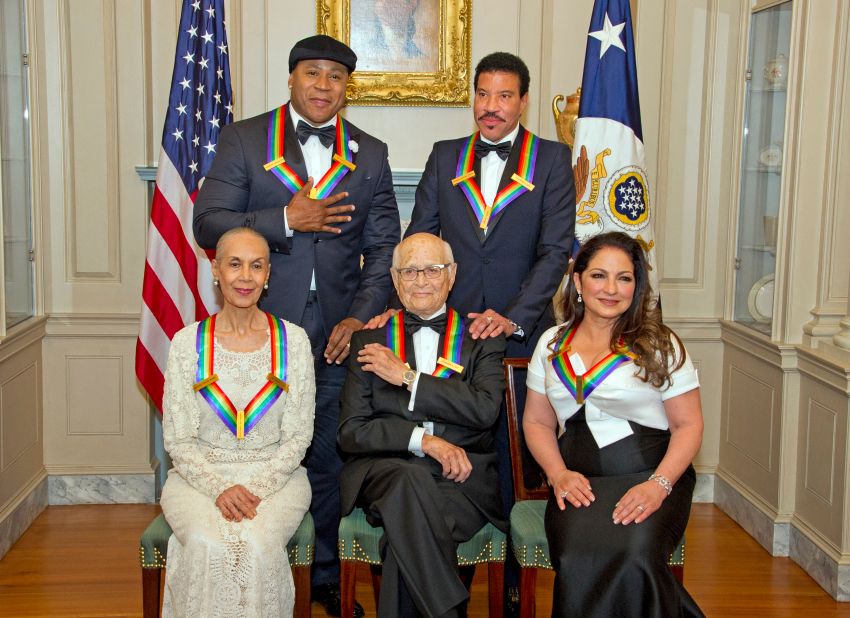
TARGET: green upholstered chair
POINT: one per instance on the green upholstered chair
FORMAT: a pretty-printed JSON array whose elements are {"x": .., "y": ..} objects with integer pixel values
[
  {"x": 153, "y": 550},
  {"x": 359, "y": 543},
  {"x": 527, "y": 533}
]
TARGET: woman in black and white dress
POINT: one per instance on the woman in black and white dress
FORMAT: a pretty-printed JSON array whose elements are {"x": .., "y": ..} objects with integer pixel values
[{"x": 613, "y": 417}]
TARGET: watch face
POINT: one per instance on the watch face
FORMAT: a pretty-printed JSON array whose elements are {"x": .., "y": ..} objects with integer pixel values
[{"x": 408, "y": 377}]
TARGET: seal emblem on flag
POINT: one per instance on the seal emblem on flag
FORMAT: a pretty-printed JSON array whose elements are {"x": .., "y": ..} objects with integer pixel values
[{"x": 627, "y": 198}]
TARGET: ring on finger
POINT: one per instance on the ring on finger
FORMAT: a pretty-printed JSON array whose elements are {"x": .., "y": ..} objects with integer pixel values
[
  {"x": 489, "y": 319},
  {"x": 640, "y": 508},
  {"x": 564, "y": 494}
]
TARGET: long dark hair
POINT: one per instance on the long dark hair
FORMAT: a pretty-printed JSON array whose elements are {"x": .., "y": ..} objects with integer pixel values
[{"x": 640, "y": 326}]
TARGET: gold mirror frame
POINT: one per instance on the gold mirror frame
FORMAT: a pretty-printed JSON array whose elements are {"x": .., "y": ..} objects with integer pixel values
[{"x": 447, "y": 87}]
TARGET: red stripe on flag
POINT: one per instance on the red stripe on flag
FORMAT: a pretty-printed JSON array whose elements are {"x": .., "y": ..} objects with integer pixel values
[
  {"x": 166, "y": 221},
  {"x": 149, "y": 375},
  {"x": 160, "y": 303}
]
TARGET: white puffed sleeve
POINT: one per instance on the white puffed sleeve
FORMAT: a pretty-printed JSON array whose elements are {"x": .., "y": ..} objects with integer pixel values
[{"x": 684, "y": 378}]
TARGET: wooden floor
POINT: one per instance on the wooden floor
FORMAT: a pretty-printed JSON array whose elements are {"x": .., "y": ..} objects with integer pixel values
[{"x": 83, "y": 561}]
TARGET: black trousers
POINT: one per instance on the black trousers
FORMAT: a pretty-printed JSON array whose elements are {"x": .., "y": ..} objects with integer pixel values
[
  {"x": 323, "y": 460},
  {"x": 424, "y": 517}
]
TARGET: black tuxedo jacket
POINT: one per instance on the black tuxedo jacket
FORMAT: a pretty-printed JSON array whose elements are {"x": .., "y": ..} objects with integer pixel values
[
  {"x": 516, "y": 268},
  {"x": 238, "y": 192},
  {"x": 375, "y": 423}
]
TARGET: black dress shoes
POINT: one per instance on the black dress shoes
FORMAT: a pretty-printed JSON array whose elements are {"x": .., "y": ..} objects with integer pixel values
[{"x": 328, "y": 596}]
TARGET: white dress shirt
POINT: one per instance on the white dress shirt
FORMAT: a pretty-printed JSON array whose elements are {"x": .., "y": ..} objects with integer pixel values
[
  {"x": 317, "y": 160},
  {"x": 425, "y": 344},
  {"x": 492, "y": 168}
]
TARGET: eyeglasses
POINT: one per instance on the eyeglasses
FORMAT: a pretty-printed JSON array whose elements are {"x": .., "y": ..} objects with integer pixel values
[{"x": 431, "y": 272}]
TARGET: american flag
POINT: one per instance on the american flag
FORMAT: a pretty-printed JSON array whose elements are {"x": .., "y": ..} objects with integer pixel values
[{"x": 178, "y": 286}]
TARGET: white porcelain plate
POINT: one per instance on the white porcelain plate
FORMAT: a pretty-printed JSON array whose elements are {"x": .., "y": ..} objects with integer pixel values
[{"x": 760, "y": 300}]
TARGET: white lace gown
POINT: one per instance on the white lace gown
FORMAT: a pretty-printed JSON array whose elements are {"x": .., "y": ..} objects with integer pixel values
[{"x": 216, "y": 567}]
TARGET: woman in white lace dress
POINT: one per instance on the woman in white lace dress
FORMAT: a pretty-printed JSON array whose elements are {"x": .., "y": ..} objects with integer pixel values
[{"x": 237, "y": 420}]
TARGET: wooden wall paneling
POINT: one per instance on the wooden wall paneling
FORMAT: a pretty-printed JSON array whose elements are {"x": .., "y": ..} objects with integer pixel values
[
  {"x": 91, "y": 99},
  {"x": 752, "y": 421},
  {"x": 822, "y": 479},
  {"x": 95, "y": 415},
  {"x": 20, "y": 412}
]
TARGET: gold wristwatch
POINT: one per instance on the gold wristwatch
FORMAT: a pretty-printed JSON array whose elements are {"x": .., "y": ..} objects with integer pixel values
[{"x": 408, "y": 377}]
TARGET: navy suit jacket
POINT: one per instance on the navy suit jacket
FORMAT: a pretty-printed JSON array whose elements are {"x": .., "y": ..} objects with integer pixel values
[
  {"x": 516, "y": 268},
  {"x": 238, "y": 192}
]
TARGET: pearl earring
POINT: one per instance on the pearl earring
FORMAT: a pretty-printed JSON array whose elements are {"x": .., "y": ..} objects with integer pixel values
[
  {"x": 215, "y": 282},
  {"x": 579, "y": 297},
  {"x": 266, "y": 285}
]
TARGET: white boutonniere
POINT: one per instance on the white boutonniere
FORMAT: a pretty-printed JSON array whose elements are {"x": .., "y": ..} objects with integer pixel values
[{"x": 352, "y": 145}]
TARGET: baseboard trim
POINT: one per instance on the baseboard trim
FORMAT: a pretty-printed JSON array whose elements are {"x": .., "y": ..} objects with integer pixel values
[
  {"x": 102, "y": 488},
  {"x": 821, "y": 565},
  {"x": 22, "y": 511},
  {"x": 768, "y": 529}
]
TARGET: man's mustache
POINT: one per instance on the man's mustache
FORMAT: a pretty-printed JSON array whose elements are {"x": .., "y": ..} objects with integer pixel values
[{"x": 493, "y": 115}]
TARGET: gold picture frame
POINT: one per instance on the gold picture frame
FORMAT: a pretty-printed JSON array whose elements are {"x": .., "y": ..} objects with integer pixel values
[{"x": 417, "y": 56}]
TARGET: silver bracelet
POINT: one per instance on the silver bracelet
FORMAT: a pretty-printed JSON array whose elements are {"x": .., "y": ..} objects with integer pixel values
[{"x": 663, "y": 481}]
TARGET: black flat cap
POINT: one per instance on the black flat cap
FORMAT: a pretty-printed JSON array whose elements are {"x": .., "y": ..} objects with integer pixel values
[{"x": 322, "y": 47}]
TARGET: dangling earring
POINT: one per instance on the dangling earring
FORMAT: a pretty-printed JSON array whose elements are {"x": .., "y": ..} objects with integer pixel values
[
  {"x": 215, "y": 282},
  {"x": 579, "y": 297},
  {"x": 266, "y": 285}
]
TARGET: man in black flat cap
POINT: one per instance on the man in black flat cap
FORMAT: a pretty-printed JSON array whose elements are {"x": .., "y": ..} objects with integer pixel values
[{"x": 320, "y": 191}]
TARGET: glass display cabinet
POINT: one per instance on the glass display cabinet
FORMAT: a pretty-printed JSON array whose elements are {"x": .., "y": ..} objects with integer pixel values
[{"x": 762, "y": 156}]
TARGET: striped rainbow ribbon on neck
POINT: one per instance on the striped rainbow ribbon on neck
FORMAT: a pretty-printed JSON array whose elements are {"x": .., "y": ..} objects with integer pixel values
[
  {"x": 449, "y": 362},
  {"x": 581, "y": 386},
  {"x": 240, "y": 422},
  {"x": 520, "y": 180},
  {"x": 341, "y": 164}
]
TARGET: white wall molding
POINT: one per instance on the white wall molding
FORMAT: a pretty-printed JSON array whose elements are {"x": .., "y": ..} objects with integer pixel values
[
  {"x": 95, "y": 325},
  {"x": 22, "y": 336}
]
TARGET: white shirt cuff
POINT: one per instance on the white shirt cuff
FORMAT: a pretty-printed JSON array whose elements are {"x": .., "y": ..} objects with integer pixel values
[
  {"x": 289, "y": 232},
  {"x": 415, "y": 443}
]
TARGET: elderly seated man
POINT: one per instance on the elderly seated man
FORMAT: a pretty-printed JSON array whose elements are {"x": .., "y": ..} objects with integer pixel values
[{"x": 419, "y": 407}]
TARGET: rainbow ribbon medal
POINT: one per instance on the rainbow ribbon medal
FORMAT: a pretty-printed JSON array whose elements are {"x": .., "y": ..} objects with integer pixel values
[
  {"x": 341, "y": 164},
  {"x": 449, "y": 361},
  {"x": 240, "y": 422},
  {"x": 580, "y": 386},
  {"x": 520, "y": 181}
]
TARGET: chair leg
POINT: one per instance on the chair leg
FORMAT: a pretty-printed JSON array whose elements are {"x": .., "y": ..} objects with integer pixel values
[
  {"x": 496, "y": 588},
  {"x": 375, "y": 570},
  {"x": 347, "y": 579},
  {"x": 527, "y": 590},
  {"x": 678, "y": 572},
  {"x": 301, "y": 577},
  {"x": 150, "y": 592}
]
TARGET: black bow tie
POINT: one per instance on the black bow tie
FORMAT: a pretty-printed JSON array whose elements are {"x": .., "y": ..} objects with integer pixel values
[
  {"x": 326, "y": 135},
  {"x": 412, "y": 322},
  {"x": 482, "y": 149}
]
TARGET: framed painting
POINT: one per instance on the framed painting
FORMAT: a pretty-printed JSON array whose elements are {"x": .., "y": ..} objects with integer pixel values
[{"x": 409, "y": 52}]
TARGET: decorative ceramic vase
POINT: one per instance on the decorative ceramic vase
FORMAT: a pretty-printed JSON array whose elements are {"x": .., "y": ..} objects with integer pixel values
[{"x": 776, "y": 72}]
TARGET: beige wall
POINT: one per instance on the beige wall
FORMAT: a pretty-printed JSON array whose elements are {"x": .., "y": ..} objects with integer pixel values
[
  {"x": 102, "y": 73},
  {"x": 102, "y": 115}
]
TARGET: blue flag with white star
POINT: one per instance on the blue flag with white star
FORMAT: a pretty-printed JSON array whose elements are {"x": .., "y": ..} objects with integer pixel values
[{"x": 612, "y": 191}]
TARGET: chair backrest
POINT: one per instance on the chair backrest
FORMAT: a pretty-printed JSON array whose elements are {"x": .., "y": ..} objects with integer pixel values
[{"x": 529, "y": 480}]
